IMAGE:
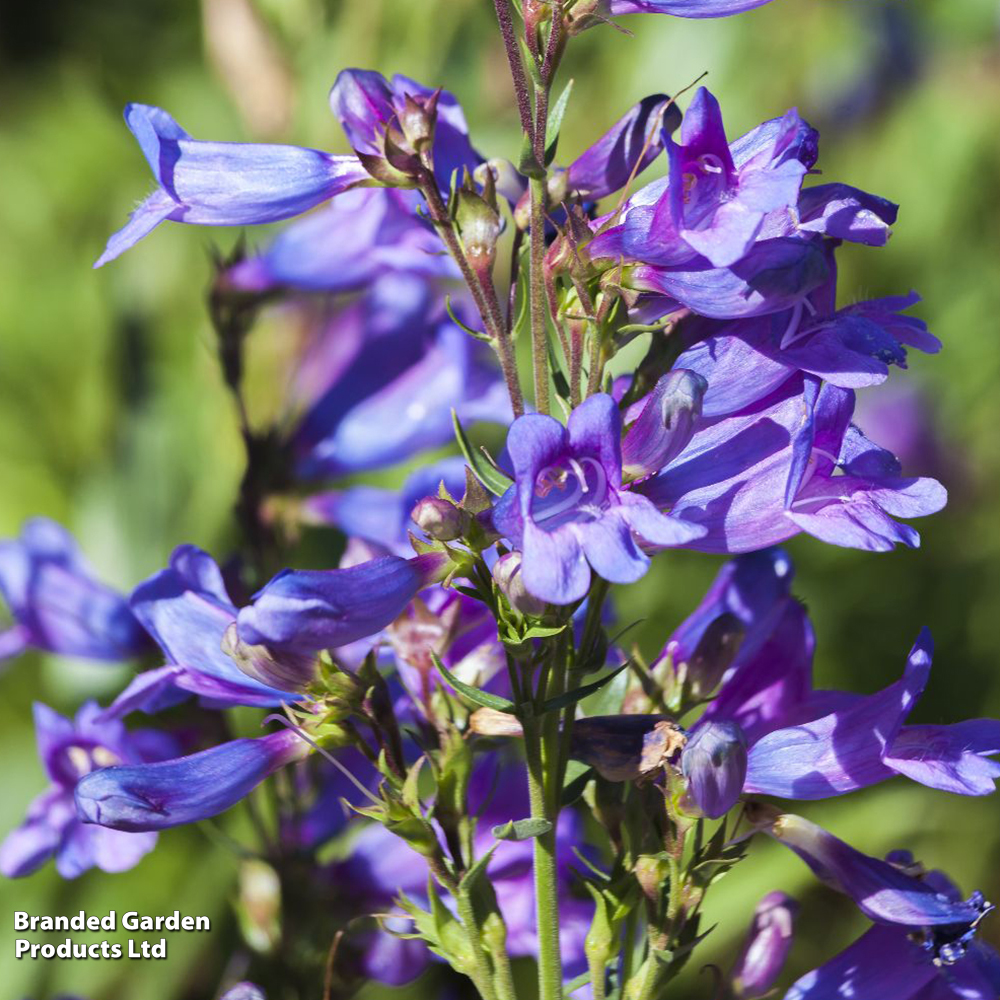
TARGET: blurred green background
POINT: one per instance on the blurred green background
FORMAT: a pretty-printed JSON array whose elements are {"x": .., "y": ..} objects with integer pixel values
[{"x": 114, "y": 420}]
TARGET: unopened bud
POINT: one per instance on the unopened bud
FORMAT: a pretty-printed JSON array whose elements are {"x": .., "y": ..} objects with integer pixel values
[
  {"x": 284, "y": 670},
  {"x": 418, "y": 119},
  {"x": 766, "y": 947},
  {"x": 714, "y": 762},
  {"x": 479, "y": 226},
  {"x": 664, "y": 425},
  {"x": 651, "y": 871},
  {"x": 507, "y": 576},
  {"x": 438, "y": 519}
]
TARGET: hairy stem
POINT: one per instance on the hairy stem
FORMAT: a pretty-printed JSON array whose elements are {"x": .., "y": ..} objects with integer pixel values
[
  {"x": 546, "y": 887},
  {"x": 536, "y": 296},
  {"x": 516, "y": 66},
  {"x": 483, "y": 293}
]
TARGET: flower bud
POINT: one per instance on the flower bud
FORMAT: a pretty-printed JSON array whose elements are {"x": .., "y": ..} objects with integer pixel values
[
  {"x": 664, "y": 425},
  {"x": 766, "y": 947},
  {"x": 479, "y": 226},
  {"x": 438, "y": 519},
  {"x": 652, "y": 871},
  {"x": 714, "y": 762},
  {"x": 507, "y": 576},
  {"x": 418, "y": 119},
  {"x": 287, "y": 671}
]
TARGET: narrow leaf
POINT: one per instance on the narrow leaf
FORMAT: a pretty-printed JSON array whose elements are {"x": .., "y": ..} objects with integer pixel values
[
  {"x": 493, "y": 479},
  {"x": 572, "y": 697},
  {"x": 522, "y": 829},
  {"x": 556, "y": 113},
  {"x": 474, "y": 694}
]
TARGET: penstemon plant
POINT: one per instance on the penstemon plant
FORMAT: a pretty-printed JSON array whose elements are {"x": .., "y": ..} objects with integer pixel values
[{"x": 523, "y": 790}]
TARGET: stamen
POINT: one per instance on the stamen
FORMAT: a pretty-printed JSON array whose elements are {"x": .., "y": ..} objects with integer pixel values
[
  {"x": 581, "y": 476},
  {"x": 791, "y": 331},
  {"x": 275, "y": 717}
]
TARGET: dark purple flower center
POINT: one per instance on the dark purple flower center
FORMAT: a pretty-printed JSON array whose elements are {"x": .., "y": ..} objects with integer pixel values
[
  {"x": 572, "y": 489},
  {"x": 73, "y": 760}
]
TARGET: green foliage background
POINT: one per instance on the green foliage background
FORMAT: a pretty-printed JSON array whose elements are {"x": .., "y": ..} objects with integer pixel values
[{"x": 114, "y": 420}]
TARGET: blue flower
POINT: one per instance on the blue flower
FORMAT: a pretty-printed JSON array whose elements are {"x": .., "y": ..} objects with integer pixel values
[
  {"x": 306, "y": 611},
  {"x": 56, "y": 602},
  {"x": 138, "y": 797},
  {"x": 924, "y": 943},
  {"x": 225, "y": 183},
  {"x": 187, "y": 610},
  {"x": 567, "y": 511},
  {"x": 70, "y": 750}
]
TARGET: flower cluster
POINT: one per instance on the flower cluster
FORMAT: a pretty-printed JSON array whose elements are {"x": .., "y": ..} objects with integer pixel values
[{"x": 473, "y": 770}]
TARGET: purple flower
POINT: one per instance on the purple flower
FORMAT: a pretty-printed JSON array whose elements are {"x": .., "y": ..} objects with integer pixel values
[
  {"x": 883, "y": 891},
  {"x": 305, "y": 611},
  {"x": 359, "y": 236},
  {"x": 885, "y": 964},
  {"x": 383, "y": 378},
  {"x": 682, "y": 8},
  {"x": 714, "y": 763},
  {"x": 765, "y": 948},
  {"x": 716, "y": 205},
  {"x": 624, "y": 151},
  {"x": 56, "y": 602},
  {"x": 850, "y": 348},
  {"x": 244, "y": 991},
  {"x": 741, "y": 613},
  {"x": 664, "y": 424},
  {"x": 924, "y": 945},
  {"x": 567, "y": 511},
  {"x": 791, "y": 461},
  {"x": 225, "y": 183},
  {"x": 187, "y": 610},
  {"x": 70, "y": 750},
  {"x": 169, "y": 793}
]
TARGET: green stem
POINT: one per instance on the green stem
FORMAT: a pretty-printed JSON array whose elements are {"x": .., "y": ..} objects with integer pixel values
[
  {"x": 483, "y": 976},
  {"x": 546, "y": 888},
  {"x": 536, "y": 294},
  {"x": 483, "y": 293}
]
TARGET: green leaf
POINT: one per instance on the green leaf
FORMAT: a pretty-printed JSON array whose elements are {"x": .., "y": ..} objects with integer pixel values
[
  {"x": 478, "y": 334},
  {"x": 578, "y": 694},
  {"x": 470, "y": 878},
  {"x": 556, "y": 113},
  {"x": 492, "y": 478},
  {"x": 522, "y": 829},
  {"x": 577, "y": 776},
  {"x": 543, "y": 631},
  {"x": 474, "y": 694}
]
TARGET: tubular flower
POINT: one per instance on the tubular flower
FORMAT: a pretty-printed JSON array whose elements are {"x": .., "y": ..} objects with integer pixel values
[
  {"x": 624, "y": 151},
  {"x": 137, "y": 797},
  {"x": 70, "y": 750},
  {"x": 187, "y": 610},
  {"x": 306, "y": 611},
  {"x": 56, "y": 603},
  {"x": 792, "y": 462},
  {"x": 225, "y": 183},
  {"x": 568, "y": 512}
]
